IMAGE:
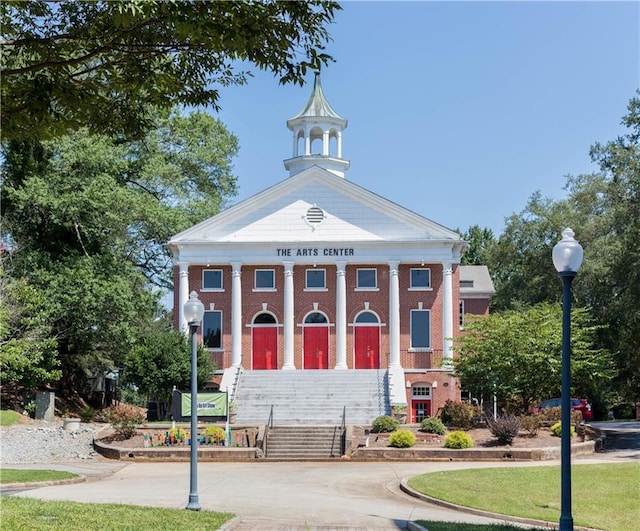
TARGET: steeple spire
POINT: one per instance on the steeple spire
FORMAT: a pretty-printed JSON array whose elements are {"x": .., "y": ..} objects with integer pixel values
[{"x": 317, "y": 122}]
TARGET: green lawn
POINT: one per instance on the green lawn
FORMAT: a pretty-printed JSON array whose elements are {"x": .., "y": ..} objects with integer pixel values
[
  {"x": 24, "y": 513},
  {"x": 604, "y": 496},
  {"x": 13, "y": 475},
  {"x": 8, "y": 418}
]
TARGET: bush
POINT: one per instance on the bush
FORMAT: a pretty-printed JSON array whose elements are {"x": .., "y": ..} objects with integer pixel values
[
  {"x": 402, "y": 439},
  {"x": 531, "y": 424},
  {"x": 624, "y": 411},
  {"x": 504, "y": 428},
  {"x": 460, "y": 414},
  {"x": 556, "y": 430},
  {"x": 178, "y": 435},
  {"x": 87, "y": 414},
  {"x": 384, "y": 424},
  {"x": 433, "y": 425},
  {"x": 215, "y": 434},
  {"x": 554, "y": 414},
  {"x": 458, "y": 440},
  {"x": 124, "y": 418}
]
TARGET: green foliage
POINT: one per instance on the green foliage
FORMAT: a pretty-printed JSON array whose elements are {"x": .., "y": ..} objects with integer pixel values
[
  {"x": 626, "y": 410},
  {"x": 505, "y": 428},
  {"x": 459, "y": 414},
  {"x": 12, "y": 475},
  {"x": 556, "y": 430},
  {"x": 481, "y": 241},
  {"x": 384, "y": 424},
  {"x": 162, "y": 360},
  {"x": 552, "y": 414},
  {"x": 30, "y": 409},
  {"x": 87, "y": 414},
  {"x": 104, "y": 64},
  {"x": 531, "y": 424},
  {"x": 402, "y": 439},
  {"x": 433, "y": 425},
  {"x": 458, "y": 440},
  {"x": 517, "y": 353},
  {"x": 124, "y": 418}
]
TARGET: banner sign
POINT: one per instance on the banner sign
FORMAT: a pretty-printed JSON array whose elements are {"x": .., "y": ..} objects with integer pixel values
[{"x": 209, "y": 405}]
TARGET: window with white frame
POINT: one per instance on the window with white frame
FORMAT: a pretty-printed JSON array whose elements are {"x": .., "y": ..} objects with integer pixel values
[
  {"x": 316, "y": 279},
  {"x": 211, "y": 279},
  {"x": 420, "y": 329},
  {"x": 265, "y": 279},
  {"x": 420, "y": 278},
  {"x": 212, "y": 329},
  {"x": 421, "y": 391},
  {"x": 367, "y": 279}
]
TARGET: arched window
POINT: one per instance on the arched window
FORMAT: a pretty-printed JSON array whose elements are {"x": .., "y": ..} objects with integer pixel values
[
  {"x": 367, "y": 318},
  {"x": 315, "y": 318},
  {"x": 264, "y": 318}
]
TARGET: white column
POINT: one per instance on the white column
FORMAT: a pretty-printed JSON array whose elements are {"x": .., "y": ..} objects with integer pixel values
[
  {"x": 289, "y": 327},
  {"x": 236, "y": 314},
  {"x": 341, "y": 316},
  {"x": 295, "y": 143},
  {"x": 307, "y": 142},
  {"x": 447, "y": 314},
  {"x": 394, "y": 315},
  {"x": 325, "y": 142},
  {"x": 339, "y": 142},
  {"x": 183, "y": 295}
]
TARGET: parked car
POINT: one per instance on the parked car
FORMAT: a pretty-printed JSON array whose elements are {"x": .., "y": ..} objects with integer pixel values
[{"x": 579, "y": 404}]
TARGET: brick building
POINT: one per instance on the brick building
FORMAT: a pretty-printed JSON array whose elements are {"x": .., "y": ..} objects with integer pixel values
[{"x": 319, "y": 273}]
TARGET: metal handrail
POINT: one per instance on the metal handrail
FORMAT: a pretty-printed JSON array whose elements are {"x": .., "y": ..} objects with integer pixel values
[
  {"x": 343, "y": 431},
  {"x": 268, "y": 425}
]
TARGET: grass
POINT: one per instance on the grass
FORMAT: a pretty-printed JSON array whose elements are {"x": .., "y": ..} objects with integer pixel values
[
  {"x": 604, "y": 496},
  {"x": 24, "y": 513},
  {"x": 8, "y": 417},
  {"x": 12, "y": 475}
]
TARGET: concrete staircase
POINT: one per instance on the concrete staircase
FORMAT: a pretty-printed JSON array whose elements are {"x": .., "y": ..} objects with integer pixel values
[
  {"x": 299, "y": 443},
  {"x": 312, "y": 397}
]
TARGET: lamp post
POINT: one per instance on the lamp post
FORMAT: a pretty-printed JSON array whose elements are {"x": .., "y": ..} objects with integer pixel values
[
  {"x": 567, "y": 258},
  {"x": 193, "y": 311}
]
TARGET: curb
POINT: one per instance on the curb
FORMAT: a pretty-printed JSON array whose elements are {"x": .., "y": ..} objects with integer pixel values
[{"x": 38, "y": 484}]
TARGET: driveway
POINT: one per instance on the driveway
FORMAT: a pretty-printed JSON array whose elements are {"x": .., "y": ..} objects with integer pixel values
[{"x": 622, "y": 438}]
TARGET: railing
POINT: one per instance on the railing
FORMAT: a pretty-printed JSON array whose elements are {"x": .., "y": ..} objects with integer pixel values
[
  {"x": 267, "y": 427},
  {"x": 343, "y": 432},
  {"x": 234, "y": 385}
]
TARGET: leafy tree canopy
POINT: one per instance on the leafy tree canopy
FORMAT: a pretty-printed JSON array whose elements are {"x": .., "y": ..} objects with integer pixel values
[
  {"x": 480, "y": 242},
  {"x": 517, "y": 354},
  {"x": 103, "y": 64}
]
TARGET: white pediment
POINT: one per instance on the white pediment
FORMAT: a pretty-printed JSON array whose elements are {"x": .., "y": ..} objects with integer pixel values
[{"x": 348, "y": 212}]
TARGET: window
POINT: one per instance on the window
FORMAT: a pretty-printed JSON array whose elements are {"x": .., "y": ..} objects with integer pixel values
[
  {"x": 265, "y": 279},
  {"x": 315, "y": 318},
  {"x": 212, "y": 279},
  {"x": 420, "y": 391},
  {"x": 212, "y": 329},
  {"x": 367, "y": 318},
  {"x": 367, "y": 279},
  {"x": 316, "y": 279},
  {"x": 461, "y": 319},
  {"x": 420, "y": 278},
  {"x": 420, "y": 329}
]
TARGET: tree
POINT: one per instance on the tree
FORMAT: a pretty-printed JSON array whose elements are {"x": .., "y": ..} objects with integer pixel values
[
  {"x": 162, "y": 360},
  {"x": 517, "y": 355},
  {"x": 480, "y": 242},
  {"x": 103, "y": 64},
  {"x": 86, "y": 217}
]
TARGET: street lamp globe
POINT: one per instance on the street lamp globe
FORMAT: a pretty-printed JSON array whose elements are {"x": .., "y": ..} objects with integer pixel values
[
  {"x": 567, "y": 253},
  {"x": 193, "y": 309}
]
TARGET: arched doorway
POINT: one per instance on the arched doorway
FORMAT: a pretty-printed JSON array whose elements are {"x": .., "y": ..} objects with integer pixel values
[
  {"x": 264, "y": 342},
  {"x": 316, "y": 341},
  {"x": 366, "y": 342}
]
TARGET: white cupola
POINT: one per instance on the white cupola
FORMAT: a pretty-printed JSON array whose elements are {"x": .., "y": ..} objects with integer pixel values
[{"x": 317, "y": 136}]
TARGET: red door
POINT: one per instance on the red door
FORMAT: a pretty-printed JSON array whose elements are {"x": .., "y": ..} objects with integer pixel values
[
  {"x": 420, "y": 410},
  {"x": 367, "y": 346},
  {"x": 316, "y": 347},
  {"x": 265, "y": 348}
]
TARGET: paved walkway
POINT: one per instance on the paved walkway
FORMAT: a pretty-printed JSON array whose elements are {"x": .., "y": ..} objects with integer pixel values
[{"x": 282, "y": 496}]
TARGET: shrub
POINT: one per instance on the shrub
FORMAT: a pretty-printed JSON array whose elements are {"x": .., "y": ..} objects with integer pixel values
[
  {"x": 554, "y": 414},
  {"x": 384, "y": 424},
  {"x": 178, "y": 434},
  {"x": 458, "y": 440},
  {"x": 433, "y": 425},
  {"x": 556, "y": 430},
  {"x": 531, "y": 424},
  {"x": 215, "y": 434},
  {"x": 624, "y": 411},
  {"x": 124, "y": 418},
  {"x": 504, "y": 428},
  {"x": 87, "y": 414},
  {"x": 402, "y": 439},
  {"x": 460, "y": 414}
]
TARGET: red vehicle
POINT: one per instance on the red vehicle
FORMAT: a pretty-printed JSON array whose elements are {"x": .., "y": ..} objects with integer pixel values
[{"x": 579, "y": 404}]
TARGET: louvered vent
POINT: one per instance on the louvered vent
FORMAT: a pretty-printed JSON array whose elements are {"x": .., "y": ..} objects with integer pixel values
[{"x": 315, "y": 215}]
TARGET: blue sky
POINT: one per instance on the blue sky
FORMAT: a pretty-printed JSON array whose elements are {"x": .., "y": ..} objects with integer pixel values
[{"x": 458, "y": 111}]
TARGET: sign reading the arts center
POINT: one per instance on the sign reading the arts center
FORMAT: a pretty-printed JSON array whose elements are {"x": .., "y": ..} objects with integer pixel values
[{"x": 326, "y": 251}]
